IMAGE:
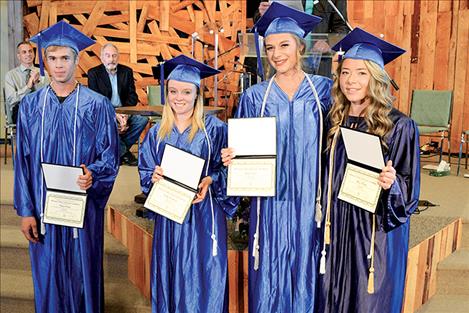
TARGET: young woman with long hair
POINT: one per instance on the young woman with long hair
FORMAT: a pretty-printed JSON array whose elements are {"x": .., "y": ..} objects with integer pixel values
[
  {"x": 189, "y": 260},
  {"x": 364, "y": 254},
  {"x": 283, "y": 248}
]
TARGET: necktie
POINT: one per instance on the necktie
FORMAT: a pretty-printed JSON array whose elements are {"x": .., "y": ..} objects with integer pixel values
[
  {"x": 28, "y": 76},
  {"x": 309, "y": 6}
]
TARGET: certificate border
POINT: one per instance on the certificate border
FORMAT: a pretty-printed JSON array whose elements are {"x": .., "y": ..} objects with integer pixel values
[{"x": 65, "y": 222}]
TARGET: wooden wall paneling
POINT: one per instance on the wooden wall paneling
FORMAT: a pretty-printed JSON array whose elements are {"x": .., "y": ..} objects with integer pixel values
[
  {"x": 460, "y": 82},
  {"x": 427, "y": 41},
  {"x": 379, "y": 16},
  {"x": 368, "y": 9},
  {"x": 443, "y": 34},
  {"x": 405, "y": 66},
  {"x": 444, "y": 6}
]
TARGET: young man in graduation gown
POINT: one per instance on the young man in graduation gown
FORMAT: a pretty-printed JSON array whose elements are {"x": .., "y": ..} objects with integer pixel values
[{"x": 68, "y": 124}]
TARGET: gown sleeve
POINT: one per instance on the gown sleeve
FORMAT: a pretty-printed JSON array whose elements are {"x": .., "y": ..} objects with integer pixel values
[
  {"x": 105, "y": 166},
  {"x": 148, "y": 160},
  {"x": 246, "y": 106},
  {"x": 23, "y": 201},
  {"x": 401, "y": 200},
  {"x": 218, "y": 172}
]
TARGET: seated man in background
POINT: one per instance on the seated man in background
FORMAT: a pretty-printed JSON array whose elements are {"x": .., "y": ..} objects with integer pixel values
[
  {"x": 116, "y": 82},
  {"x": 23, "y": 79}
]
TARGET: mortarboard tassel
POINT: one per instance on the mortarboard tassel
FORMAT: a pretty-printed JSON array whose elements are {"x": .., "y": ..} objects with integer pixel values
[
  {"x": 255, "y": 248},
  {"x": 322, "y": 263},
  {"x": 260, "y": 68},
  {"x": 318, "y": 215},
  {"x": 39, "y": 52},
  {"x": 371, "y": 275},
  {"x": 327, "y": 233},
  {"x": 162, "y": 82},
  {"x": 214, "y": 245},
  {"x": 75, "y": 233}
]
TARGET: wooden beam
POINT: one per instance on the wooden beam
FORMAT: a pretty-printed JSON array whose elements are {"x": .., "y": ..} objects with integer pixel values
[{"x": 133, "y": 30}]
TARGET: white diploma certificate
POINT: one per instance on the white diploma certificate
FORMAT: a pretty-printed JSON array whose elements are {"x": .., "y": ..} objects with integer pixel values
[
  {"x": 365, "y": 160},
  {"x": 172, "y": 196},
  {"x": 253, "y": 171},
  {"x": 65, "y": 202}
]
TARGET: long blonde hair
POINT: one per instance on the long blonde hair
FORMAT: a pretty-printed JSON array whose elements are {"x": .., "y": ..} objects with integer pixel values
[
  {"x": 167, "y": 119},
  {"x": 376, "y": 114}
]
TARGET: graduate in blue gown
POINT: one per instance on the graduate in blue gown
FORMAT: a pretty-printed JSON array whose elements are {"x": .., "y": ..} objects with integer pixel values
[
  {"x": 364, "y": 254},
  {"x": 189, "y": 271},
  {"x": 283, "y": 247},
  {"x": 65, "y": 123}
]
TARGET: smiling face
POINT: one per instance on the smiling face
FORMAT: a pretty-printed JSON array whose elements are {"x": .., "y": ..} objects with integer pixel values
[
  {"x": 354, "y": 80},
  {"x": 25, "y": 54},
  {"x": 282, "y": 52},
  {"x": 61, "y": 62},
  {"x": 181, "y": 97}
]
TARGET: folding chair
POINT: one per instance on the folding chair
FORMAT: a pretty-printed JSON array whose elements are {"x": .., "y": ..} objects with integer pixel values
[{"x": 431, "y": 110}]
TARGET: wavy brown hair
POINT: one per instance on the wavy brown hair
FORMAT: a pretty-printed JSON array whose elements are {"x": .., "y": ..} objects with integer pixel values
[{"x": 376, "y": 114}]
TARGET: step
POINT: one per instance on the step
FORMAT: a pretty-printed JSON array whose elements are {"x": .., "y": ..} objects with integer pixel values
[
  {"x": 453, "y": 274},
  {"x": 446, "y": 304},
  {"x": 17, "y": 295},
  {"x": 15, "y": 254},
  {"x": 8, "y": 215}
]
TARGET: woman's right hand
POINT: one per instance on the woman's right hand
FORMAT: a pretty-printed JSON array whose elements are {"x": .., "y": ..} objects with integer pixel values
[
  {"x": 157, "y": 174},
  {"x": 227, "y": 154}
]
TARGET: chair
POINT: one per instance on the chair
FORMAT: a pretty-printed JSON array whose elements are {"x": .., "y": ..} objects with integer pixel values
[
  {"x": 154, "y": 98},
  {"x": 10, "y": 130},
  {"x": 464, "y": 139},
  {"x": 431, "y": 110}
]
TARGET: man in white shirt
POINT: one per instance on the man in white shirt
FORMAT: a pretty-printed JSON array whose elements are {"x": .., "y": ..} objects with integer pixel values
[{"x": 23, "y": 79}]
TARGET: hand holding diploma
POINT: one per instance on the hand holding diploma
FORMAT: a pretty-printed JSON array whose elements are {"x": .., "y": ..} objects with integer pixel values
[
  {"x": 157, "y": 174},
  {"x": 227, "y": 155},
  {"x": 387, "y": 176},
  {"x": 85, "y": 181},
  {"x": 203, "y": 188}
]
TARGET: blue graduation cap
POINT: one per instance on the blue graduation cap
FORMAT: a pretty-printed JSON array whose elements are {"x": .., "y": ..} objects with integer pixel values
[
  {"x": 361, "y": 45},
  {"x": 183, "y": 69},
  {"x": 60, "y": 34},
  {"x": 280, "y": 19}
]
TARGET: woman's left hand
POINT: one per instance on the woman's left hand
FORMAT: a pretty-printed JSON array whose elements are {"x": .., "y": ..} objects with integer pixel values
[
  {"x": 203, "y": 188},
  {"x": 387, "y": 176}
]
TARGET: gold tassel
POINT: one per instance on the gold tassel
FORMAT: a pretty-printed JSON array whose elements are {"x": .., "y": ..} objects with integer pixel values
[
  {"x": 371, "y": 281},
  {"x": 327, "y": 233}
]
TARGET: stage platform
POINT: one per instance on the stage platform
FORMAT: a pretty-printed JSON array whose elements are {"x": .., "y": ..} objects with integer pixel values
[{"x": 432, "y": 239}]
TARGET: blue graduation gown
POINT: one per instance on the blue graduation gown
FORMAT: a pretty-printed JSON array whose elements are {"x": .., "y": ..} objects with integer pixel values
[
  {"x": 67, "y": 272},
  {"x": 343, "y": 288},
  {"x": 286, "y": 278},
  {"x": 185, "y": 276}
]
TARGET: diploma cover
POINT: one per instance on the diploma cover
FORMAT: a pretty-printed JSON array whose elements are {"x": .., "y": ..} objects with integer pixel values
[
  {"x": 65, "y": 202},
  {"x": 364, "y": 164},
  {"x": 172, "y": 196},
  {"x": 252, "y": 171}
]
